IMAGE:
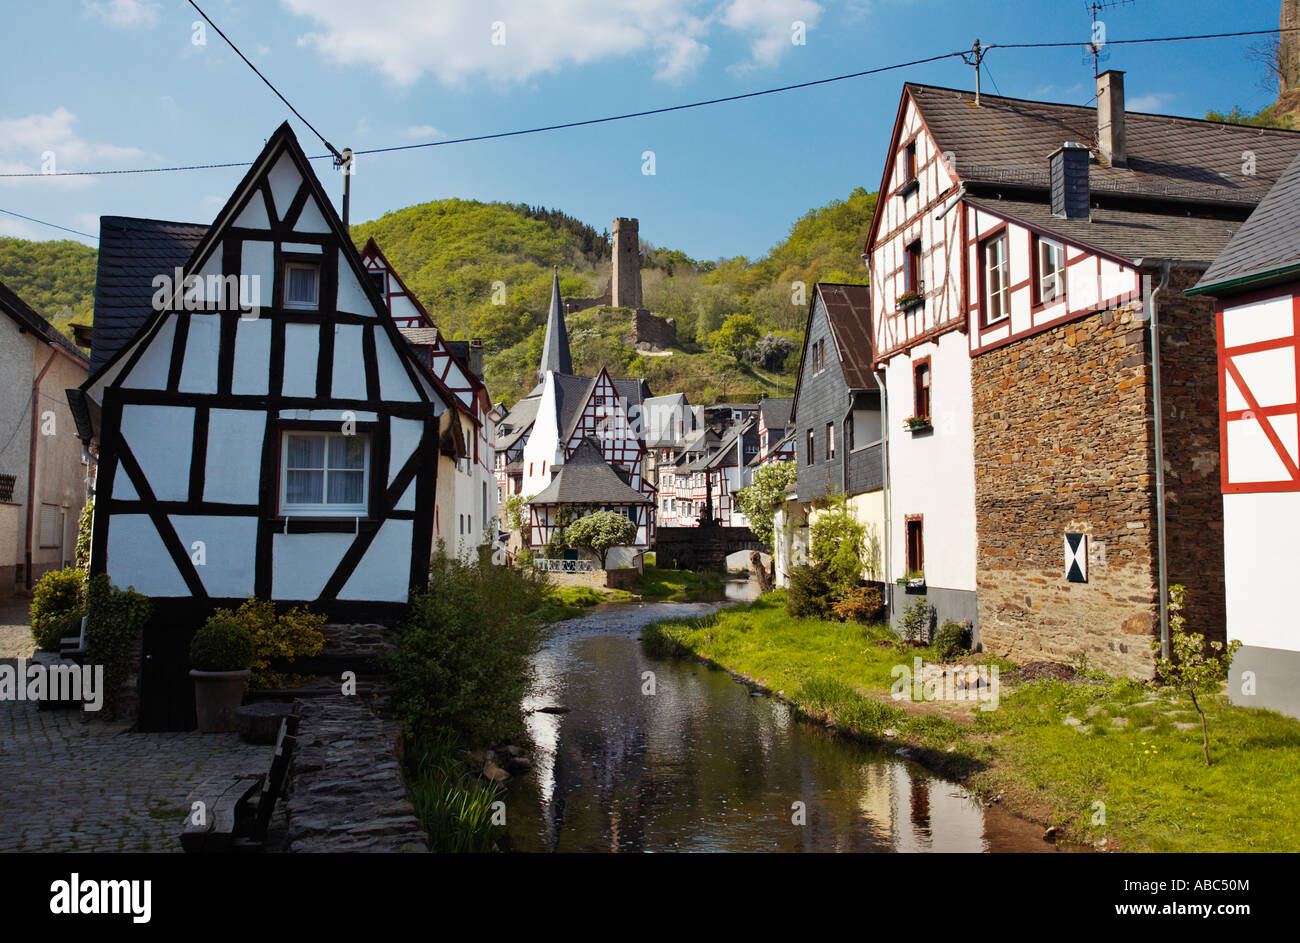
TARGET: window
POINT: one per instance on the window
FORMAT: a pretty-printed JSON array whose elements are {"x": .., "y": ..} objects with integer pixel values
[
  {"x": 909, "y": 163},
  {"x": 915, "y": 544},
  {"x": 912, "y": 272},
  {"x": 811, "y": 447},
  {"x": 380, "y": 282},
  {"x": 324, "y": 473},
  {"x": 997, "y": 287},
  {"x": 51, "y": 526},
  {"x": 850, "y": 442},
  {"x": 921, "y": 387},
  {"x": 301, "y": 285},
  {"x": 830, "y": 441},
  {"x": 1049, "y": 271}
]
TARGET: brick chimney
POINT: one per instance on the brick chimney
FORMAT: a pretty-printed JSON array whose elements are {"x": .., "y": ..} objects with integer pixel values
[
  {"x": 1111, "y": 140},
  {"x": 1068, "y": 167}
]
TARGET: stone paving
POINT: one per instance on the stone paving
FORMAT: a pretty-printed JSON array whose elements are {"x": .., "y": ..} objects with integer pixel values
[{"x": 72, "y": 783}]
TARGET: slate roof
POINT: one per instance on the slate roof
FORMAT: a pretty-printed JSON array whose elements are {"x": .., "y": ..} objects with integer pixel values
[
  {"x": 586, "y": 478},
  {"x": 1267, "y": 246},
  {"x": 131, "y": 252},
  {"x": 1126, "y": 233},
  {"x": 555, "y": 344},
  {"x": 30, "y": 320},
  {"x": 520, "y": 419},
  {"x": 657, "y": 419},
  {"x": 726, "y": 451},
  {"x": 1006, "y": 141},
  {"x": 775, "y": 411},
  {"x": 848, "y": 309},
  {"x": 422, "y": 336}
]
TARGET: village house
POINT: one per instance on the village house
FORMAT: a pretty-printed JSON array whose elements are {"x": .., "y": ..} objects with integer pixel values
[
  {"x": 465, "y": 512},
  {"x": 835, "y": 418},
  {"x": 263, "y": 427},
  {"x": 1256, "y": 283},
  {"x": 775, "y": 434},
  {"x": 1020, "y": 253},
  {"x": 44, "y": 471}
]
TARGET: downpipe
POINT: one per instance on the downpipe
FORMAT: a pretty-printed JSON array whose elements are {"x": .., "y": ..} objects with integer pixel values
[{"x": 1157, "y": 404}]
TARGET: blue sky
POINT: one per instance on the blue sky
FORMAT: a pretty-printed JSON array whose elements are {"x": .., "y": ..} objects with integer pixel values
[{"x": 121, "y": 83}]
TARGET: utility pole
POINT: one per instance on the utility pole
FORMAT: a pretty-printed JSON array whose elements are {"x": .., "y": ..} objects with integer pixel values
[
  {"x": 974, "y": 58},
  {"x": 345, "y": 161}
]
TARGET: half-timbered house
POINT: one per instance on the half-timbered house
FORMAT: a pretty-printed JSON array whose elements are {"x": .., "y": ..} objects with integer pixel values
[
  {"x": 465, "y": 512},
  {"x": 1256, "y": 281},
  {"x": 1018, "y": 257},
  {"x": 263, "y": 427}
]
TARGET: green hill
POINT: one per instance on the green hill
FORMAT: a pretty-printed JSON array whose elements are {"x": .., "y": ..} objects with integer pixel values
[{"x": 484, "y": 270}]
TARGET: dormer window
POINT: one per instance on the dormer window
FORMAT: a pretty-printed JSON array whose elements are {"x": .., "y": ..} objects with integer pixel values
[{"x": 302, "y": 285}]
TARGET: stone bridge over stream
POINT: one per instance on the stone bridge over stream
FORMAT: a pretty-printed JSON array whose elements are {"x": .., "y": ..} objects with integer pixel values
[{"x": 702, "y": 548}]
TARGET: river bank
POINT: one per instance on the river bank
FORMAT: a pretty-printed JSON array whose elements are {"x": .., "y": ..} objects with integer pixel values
[{"x": 1102, "y": 761}]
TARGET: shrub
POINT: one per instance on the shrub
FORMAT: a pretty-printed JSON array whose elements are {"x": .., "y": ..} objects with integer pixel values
[
  {"x": 58, "y": 603},
  {"x": 463, "y": 660},
  {"x": 916, "y": 621},
  {"x": 809, "y": 595},
  {"x": 114, "y": 620},
  {"x": 951, "y": 640},
  {"x": 84, "y": 525},
  {"x": 221, "y": 645},
  {"x": 860, "y": 604},
  {"x": 293, "y": 634},
  {"x": 839, "y": 543}
]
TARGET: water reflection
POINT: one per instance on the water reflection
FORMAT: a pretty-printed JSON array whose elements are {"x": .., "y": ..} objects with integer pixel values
[{"x": 703, "y": 765}]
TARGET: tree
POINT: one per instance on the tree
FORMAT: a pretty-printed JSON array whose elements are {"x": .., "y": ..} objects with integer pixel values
[
  {"x": 771, "y": 352},
  {"x": 764, "y": 495},
  {"x": 736, "y": 336},
  {"x": 600, "y": 532},
  {"x": 518, "y": 516},
  {"x": 839, "y": 545},
  {"x": 1194, "y": 667}
]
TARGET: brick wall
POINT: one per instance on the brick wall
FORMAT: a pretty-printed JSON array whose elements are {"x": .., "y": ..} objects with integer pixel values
[
  {"x": 654, "y": 330},
  {"x": 1063, "y": 442}
]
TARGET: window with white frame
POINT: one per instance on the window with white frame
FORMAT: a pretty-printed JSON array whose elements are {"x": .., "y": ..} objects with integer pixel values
[
  {"x": 324, "y": 473},
  {"x": 997, "y": 286},
  {"x": 301, "y": 285},
  {"x": 1050, "y": 260}
]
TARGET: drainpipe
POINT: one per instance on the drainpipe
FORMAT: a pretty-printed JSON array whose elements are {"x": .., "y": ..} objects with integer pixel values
[
  {"x": 31, "y": 464},
  {"x": 1158, "y": 407},
  {"x": 884, "y": 465}
]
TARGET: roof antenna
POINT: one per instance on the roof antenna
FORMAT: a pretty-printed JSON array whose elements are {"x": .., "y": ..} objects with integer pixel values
[
  {"x": 1097, "y": 41},
  {"x": 345, "y": 160},
  {"x": 974, "y": 58}
]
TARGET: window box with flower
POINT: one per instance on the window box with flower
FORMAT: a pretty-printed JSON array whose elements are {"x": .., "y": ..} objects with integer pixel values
[
  {"x": 910, "y": 299},
  {"x": 918, "y": 423}
]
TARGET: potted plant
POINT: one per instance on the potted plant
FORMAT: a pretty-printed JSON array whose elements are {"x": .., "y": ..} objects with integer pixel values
[
  {"x": 220, "y": 655},
  {"x": 909, "y": 299},
  {"x": 917, "y": 423}
]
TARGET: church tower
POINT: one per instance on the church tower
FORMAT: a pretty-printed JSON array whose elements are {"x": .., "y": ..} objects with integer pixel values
[{"x": 555, "y": 348}]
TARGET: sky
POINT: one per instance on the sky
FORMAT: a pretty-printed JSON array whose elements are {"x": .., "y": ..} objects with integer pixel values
[{"x": 118, "y": 84}]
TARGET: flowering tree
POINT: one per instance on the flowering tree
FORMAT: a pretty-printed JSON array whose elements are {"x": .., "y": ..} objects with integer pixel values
[
  {"x": 764, "y": 495},
  {"x": 600, "y": 533}
]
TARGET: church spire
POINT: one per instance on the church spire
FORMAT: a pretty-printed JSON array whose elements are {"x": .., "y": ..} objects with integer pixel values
[{"x": 555, "y": 348}]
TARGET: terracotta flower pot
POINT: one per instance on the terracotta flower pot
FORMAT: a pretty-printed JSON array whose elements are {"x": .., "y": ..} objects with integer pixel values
[{"x": 217, "y": 695}]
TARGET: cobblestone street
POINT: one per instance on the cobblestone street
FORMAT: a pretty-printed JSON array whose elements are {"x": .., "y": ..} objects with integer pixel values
[{"x": 70, "y": 783}]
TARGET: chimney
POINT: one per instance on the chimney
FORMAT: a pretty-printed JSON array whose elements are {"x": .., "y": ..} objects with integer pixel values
[
  {"x": 476, "y": 357},
  {"x": 1068, "y": 166},
  {"x": 1111, "y": 139}
]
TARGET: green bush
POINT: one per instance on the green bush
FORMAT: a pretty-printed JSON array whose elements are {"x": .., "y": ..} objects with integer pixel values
[
  {"x": 58, "y": 603},
  {"x": 293, "y": 634},
  {"x": 809, "y": 595},
  {"x": 114, "y": 620},
  {"x": 916, "y": 621},
  {"x": 839, "y": 545},
  {"x": 951, "y": 640},
  {"x": 221, "y": 645},
  {"x": 463, "y": 661},
  {"x": 84, "y": 526}
]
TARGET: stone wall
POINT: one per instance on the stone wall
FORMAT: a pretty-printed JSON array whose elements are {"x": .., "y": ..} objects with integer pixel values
[
  {"x": 1063, "y": 443},
  {"x": 653, "y": 330}
]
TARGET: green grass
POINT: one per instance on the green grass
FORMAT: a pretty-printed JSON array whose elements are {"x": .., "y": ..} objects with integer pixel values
[
  {"x": 570, "y": 602},
  {"x": 453, "y": 806},
  {"x": 678, "y": 585},
  {"x": 1156, "y": 792}
]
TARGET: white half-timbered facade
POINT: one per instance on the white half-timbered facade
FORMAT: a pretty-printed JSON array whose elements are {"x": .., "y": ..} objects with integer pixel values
[{"x": 267, "y": 432}]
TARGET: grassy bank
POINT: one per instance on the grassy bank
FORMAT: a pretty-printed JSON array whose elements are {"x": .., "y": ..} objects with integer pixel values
[
  {"x": 678, "y": 585},
  {"x": 1099, "y": 758}
]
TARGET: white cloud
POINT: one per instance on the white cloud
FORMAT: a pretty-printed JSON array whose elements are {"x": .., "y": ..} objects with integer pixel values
[
  {"x": 1153, "y": 102},
  {"x": 127, "y": 14},
  {"x": 37, "y": 142},
  {"x": 403, "y": 40},
  {"x": 424, "y": 131}
]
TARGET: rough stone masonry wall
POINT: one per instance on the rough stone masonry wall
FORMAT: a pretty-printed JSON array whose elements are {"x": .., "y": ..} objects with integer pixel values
[{"x": 1063, "y": 434}]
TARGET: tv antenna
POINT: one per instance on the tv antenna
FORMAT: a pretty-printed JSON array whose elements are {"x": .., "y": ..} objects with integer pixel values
[{"x": 1097, "y": 37}]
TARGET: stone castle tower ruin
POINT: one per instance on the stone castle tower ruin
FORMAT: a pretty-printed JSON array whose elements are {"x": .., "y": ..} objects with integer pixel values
[{"x": 623, "y": 290}]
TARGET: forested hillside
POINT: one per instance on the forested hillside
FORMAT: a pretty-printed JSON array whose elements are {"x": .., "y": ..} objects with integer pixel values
[{"x": 484, "y": 270}]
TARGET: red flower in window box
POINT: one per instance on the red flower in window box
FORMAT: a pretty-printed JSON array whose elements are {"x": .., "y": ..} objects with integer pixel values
[
  {"x": 917, "y": 422},
  {"x": 909, "y": 299}
]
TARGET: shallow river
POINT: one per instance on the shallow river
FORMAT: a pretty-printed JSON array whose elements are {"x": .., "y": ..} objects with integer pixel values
[{"x": 701, "y": 764}]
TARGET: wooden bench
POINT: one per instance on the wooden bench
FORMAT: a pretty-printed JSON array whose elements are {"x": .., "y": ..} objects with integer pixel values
[{"x": 236, "y": 816}]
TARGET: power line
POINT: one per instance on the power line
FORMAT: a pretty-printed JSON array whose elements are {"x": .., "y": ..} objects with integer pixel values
[
  {"x": 33, "y": 219},
  {"x": 259, "y": 74},
  {"x": 635, "y": 114}
]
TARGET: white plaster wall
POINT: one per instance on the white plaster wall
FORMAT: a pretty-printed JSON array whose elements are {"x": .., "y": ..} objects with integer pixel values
[
  {"x": 229, "y": 546},
  {"x": 543, "y": 442},
  {"x": 934, "y": 474},
  {"x": 1261, "y": 557}
]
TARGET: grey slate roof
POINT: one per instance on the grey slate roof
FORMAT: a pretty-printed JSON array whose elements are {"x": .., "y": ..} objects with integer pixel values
[
  {"x": 775, "y": 411},
  {"x": 1126, "y": 233},
  {"x": 1266, "y": 247},
  {"x": 1006, "y": 141},
  {"x": 555, "y": 346},
  {"x": 520, "y": 420},
  {"x": 131, "y": 252},
  {"x": 30, "y": 320},
  {"x": 658, "y": 415},
  {"x": 586, "y": 478}
]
